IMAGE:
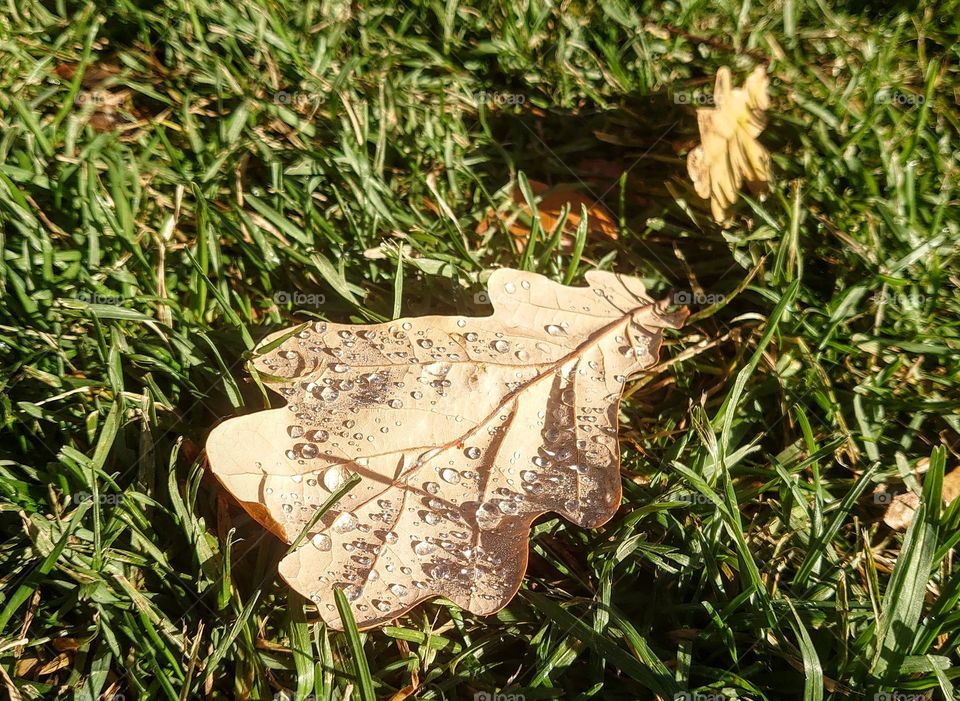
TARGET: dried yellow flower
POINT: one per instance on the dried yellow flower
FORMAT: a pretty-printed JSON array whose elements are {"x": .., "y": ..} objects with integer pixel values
[{"x": 730, "y": 154}]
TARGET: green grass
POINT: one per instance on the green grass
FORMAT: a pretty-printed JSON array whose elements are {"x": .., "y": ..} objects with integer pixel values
[{"x": 261, "y": 150}]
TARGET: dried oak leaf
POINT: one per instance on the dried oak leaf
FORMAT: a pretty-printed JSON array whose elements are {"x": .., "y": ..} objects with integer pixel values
[
  {"x": 463, "y": 431},
  {"x": 730, "y": 154}
]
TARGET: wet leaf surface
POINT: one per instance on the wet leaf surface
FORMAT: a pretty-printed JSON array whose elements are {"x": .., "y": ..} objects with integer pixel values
[{"x": 463, "y": 431}]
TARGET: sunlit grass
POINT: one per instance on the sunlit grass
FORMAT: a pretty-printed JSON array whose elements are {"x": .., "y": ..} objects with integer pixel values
[{"x": 178, "y": 181}]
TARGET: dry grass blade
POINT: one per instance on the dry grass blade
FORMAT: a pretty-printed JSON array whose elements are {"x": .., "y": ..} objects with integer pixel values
[{"x": 463, "y": 430}]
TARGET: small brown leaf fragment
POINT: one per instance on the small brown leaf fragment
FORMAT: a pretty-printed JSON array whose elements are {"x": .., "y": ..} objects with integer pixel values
[
  {"x": 730, "y": 154},
  {"x": 93, "y": 74},
  {"x": 900, "y": 513},
  {"x": 56, "y": 664},
  {"x": 550, "y": 206},
  {"x": 901, "y": 510},
  {"x": 463, "y": 431}
]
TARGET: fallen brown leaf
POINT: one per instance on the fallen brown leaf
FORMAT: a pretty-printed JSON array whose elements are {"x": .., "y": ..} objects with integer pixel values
[{"x": 463, "y": 431}]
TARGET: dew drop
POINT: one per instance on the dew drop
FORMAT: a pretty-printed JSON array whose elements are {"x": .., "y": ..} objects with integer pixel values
[
  {"x": 510, "y": 288},
  {"x": 450, "y": 475},
  {"x": 345, "y": 522},
  {"x": 334, "y": 478},
  {"x": 321, "y": 541},
  {"x": 470, "y": 336},
  {"x": 488, "y": 516},
  {"x": 432, "y": 487},
  {"x": 398, "y": 589},
  {"x": 423, "y": 548},
  {"x": 295, "y": 431},
  {"x": 555, "y": 330},
  {"x": 500, "y": 346},
  {"x": 425, "y": 343},
  {"x": 473, "y": 452},
  {"x": 318, "y": 436}
]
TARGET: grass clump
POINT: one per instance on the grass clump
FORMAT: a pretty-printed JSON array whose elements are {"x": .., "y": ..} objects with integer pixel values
[{"x": 178, "y": 179}]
